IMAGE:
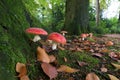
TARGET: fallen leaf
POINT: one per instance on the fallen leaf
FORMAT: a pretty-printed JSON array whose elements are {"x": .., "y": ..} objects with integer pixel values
[
  {"x": 79, "y": 49},
  {"x": 52, "y": 58},
  {"x": 105, "y": 50},
  {"x": 61, "y": 48},
  {"x": 117, "y": 66},
  {"x": 23, "y": 71},
  {"x": 49, "y": 70},
  {"x": 64, "y": 68},
  {"x": 24, "y": 78},
  {"x": 103, "y": 69},
  {"x": 113, "y": 55},
  {"x": 65, "y": 59},
  {"x": 86, "y": 42},
  {"x": 42, "y": 55},
  {"x": 19, "y": 66},
  {"x": 71, "y": 78},
  {"x": 82, "y": 63},
  {"x": 112, "y": 77},
  {"x": 99, "y": 55},
  {"x": 92, "y": 76},
  {"x": 109, "y": 43}
]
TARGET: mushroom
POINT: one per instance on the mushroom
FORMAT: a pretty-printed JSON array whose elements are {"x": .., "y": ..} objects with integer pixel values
[
  {"x": 37, "y": 32},
  {"x": 63, "y": 32},
  {"x": 56, "y": 38},
  {"x": 83, "y": 36}
]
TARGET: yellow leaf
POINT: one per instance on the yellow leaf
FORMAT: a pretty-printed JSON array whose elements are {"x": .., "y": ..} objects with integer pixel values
[
  {"x": 117, "y": 66},
  {"x": 42, "y": 55},
  {"x": 112, "y": 77},
  {"x": 64, "y": 68},
  {"x": 92, "y": 76}
]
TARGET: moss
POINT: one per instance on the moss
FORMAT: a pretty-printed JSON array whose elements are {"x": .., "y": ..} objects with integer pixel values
[
  {"x": 14, "y": 46},
  {"x": 72, "y": 57}
]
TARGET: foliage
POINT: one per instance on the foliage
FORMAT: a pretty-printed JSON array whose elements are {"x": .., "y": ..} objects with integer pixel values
[
  {"x": 106, "y": 26},
  {"x": 46, "y": 13}
]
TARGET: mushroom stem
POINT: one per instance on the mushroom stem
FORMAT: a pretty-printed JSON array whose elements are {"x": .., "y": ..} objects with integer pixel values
[
  {"x": 63, "y": 34},
  {"x": 83, "y": 38},
  {"x": 54, "y": 46},
  {"x": 36, "y": 38}
]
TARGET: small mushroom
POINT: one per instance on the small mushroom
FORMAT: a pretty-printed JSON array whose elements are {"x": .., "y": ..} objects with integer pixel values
[
  {"x": 83, "y": 36},
  {"x": 56, "y": 38},
  {"x": 63, "y": 32},
  {"x": 37, "y": 32}
]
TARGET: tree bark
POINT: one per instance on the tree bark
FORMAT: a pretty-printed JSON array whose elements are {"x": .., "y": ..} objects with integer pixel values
[
  {"x": 76, "y": 16},
  {"x": 97, "y": 12},
  {"x": 14, "y": 44}
]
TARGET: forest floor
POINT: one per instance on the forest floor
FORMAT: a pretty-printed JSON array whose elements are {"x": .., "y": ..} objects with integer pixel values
[
  {"x": 112, "y": 35},
  {"x": 90, "y": 59}
]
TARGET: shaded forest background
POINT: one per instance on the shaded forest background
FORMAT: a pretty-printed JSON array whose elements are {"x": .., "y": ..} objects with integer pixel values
[{"x": 51, "y": 15}]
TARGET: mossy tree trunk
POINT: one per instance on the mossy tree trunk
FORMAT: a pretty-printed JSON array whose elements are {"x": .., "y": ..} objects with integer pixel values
[
  {"x": 14, "y": 46},
  {"x": 76, "y": 17}
]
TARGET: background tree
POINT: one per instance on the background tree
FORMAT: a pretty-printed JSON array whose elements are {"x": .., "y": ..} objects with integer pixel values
[
  {"x": 76, "y": 16},
  {"x": 97, "y": 12}
]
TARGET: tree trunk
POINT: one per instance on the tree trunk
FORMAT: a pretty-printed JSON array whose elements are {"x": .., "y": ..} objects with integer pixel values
[
  {"x": 14, "y": 44},
  {"x": 76, "y": 17},
  {"x": 97, "y": 12},
  {"x": 119, "y": 17}
]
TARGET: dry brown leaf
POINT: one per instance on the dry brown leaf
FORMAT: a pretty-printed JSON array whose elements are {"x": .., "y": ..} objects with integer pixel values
[
  {"x": 61, "y": 48},
  {"x": 64, "y": 68},
  {"x": 113, "y": 55},
  {"x": 42, "y": 55},
  {"x": 52, "y": 58},
  {"x": 117, "y": 66},
  {"x": 70, "y": 78},
  {"x": 23, "y": 71},
  {"x": 86, "y": 42},
  {"x": 103, "y": 69},
  {"x": 109, "y": 43},
  {"x": 19, "y": 66},
  {"x": 82, "y": 63},
  {"x": 112, "y": 77},
  {"x": 105, "y": 50},
  {"x": 97, "y": 55},
  {"x": 24, "y": 78},
  {"x": 92, "y": 76},
  {"x": 79, "y": 49},
  {"x": 49, "y": 70},
  {"x": 65, "y": 59}
]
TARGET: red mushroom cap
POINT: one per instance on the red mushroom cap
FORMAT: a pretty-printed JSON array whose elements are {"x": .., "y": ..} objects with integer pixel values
[
  {"x": 83, "y": 35},
  {"x": 36, "y": 31},
  {"x": 57, "y": 37}
]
